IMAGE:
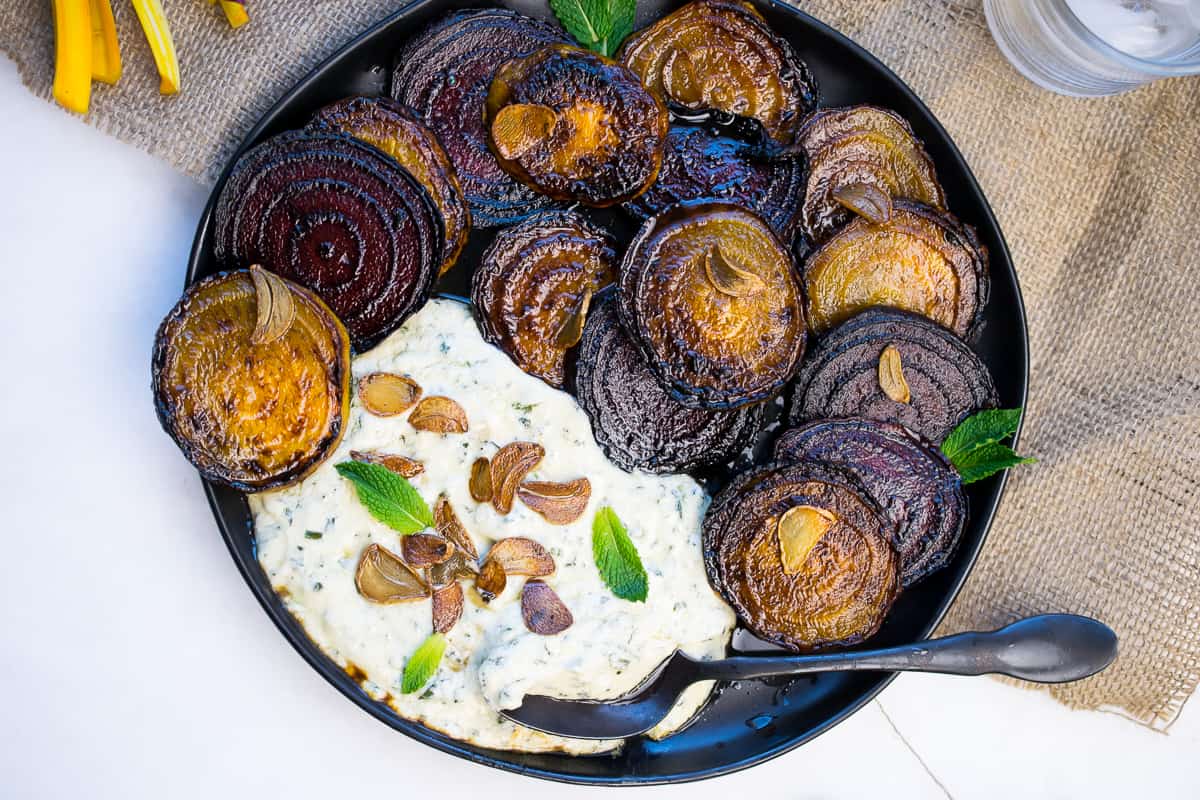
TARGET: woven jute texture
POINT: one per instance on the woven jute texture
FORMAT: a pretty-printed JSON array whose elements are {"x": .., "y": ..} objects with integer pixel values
[{"x": 1099, "y": 200}]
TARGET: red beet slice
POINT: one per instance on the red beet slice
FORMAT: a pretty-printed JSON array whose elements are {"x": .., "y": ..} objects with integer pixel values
[
  {"x": 912, "y": 482},
  {"x": 840, "y": 377},
  {"x": 636, "y": 422},
  {"x": 698, "y": 165},
  {"x": 339, "y": 217},
  {"x": 444, "y": 74}
]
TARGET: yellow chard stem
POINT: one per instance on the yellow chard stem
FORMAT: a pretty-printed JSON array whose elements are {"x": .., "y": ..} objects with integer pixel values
[
  {"x": 106, "y": 53},
  {"x": 72, "y": 54},
  {"x": 235, "y": 12},
  {"x": 158, "y": 34}
]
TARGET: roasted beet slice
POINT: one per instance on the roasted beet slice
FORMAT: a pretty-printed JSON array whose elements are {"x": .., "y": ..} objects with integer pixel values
[
  {"x": 908, "y": 478},
  {"x": 720, "y": 56},
  {"x": 533, "y": 288},
  {"x": 700, "y": 165},
  {"x": 635, "y": 420},
  {"x": 946, "y": 381},
  {"x": 802, "y": 554},
  {"x": 398, "y": 131},
  {"x": 444, "y": 74},
  {"x": 920, "y": 260},
  {"x": 856, "y": 152},
  {"x": 339, "y": 217},
  {"x": 576, "y": 126},
  {"x": 710, "y": 295}
]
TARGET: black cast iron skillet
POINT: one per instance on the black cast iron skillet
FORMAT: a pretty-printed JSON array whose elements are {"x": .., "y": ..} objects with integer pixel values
[{"x": 747, "y": 722}]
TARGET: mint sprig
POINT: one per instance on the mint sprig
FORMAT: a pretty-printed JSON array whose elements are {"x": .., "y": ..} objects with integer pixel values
[
  {"x": 975, "y": 449},
  {"x": 390, "y": 498},
  {"x": 598, "y": 25},
  {"x": 616, "y": 557},
  {"x": 422, "y": 663}
]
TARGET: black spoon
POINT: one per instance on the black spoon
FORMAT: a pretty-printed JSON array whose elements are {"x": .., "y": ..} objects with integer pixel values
[{"x": 1049, "y": 648}]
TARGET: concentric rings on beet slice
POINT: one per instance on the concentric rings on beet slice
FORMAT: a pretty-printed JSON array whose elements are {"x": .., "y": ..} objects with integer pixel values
[
  {"x": 336, "y": 216},
  {"x": 635, "y": 420},
  {"x": 444, "y": 74},
  {"x": 946, "y": 380},
  {"x": 908, "y": 478}
]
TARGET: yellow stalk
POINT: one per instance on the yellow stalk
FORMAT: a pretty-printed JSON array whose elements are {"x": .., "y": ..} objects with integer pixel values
[
  {"x": 72, "y": 54},
  {"x": 106, "y": 53},
  {"x": 158, "y": 34},
  {"x": 235, "y": 13}
]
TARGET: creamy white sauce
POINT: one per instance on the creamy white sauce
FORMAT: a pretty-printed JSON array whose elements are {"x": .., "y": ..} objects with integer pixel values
[{"x": 491, "y": 659}]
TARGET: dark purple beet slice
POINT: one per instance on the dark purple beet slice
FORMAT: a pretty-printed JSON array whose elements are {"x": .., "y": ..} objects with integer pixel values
[
  {"x": 840, "y": 377},
  {"x": 339, "y": 217},
  {"x": 444, "y": 73},
  {"x": 907, "y": 477},
  {"x": 635, "y": 420},
  {"x": 699, "y": 165}
]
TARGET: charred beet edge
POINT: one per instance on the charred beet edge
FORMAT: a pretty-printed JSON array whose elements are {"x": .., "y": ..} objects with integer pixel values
[
  {"x": 533, "y": 288},
  {"x": 699, "y": 165},
  {"x": 945, "y": 378},
  {"x": 837, "y": 592},
  {"x": 921, "y": 260},
  {"x": 293, "y": 392},
  {"x": 444, "y": 74},
  {"x": 736, "y": 331},
  {"x": 398, "y": 131},
  {"x": 635, "y": 420},
  {"x": 720, "y": 56},
  {"x": 339, "y": 217},
  {"x": 862, "y": 148},
  {"x": 907, "y": 477},
  {"x": 576, "y": 126}
]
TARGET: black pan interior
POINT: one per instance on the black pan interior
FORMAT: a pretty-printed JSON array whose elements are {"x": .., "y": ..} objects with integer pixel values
[{"x": 747, "y": 722}]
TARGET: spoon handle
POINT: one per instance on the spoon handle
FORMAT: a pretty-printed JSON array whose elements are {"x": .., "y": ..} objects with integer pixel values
[{"x": 1049, "y": 648}]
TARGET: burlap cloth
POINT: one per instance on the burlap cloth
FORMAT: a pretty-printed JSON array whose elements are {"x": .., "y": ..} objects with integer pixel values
[{"x": 1100, "y": 203}]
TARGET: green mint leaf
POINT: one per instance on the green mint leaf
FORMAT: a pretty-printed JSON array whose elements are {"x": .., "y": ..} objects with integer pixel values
[
  {"x": 974, "y": 446},
  {"x": 313, "y": 534},
  {"x": 598, "y": 25},
  {"x": 575, "y": 17},
  {"x": 617, "y": 558},
  {"x": 390, "y": 498},
  {"x": 622, "y": 24},
  {"x": 983, "y": 462},
  {"x": 423, "y": 663},
  {"x": 986, "y": 427}
]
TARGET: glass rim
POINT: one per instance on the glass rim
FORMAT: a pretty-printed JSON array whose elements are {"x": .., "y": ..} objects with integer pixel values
[{"x": 1150, "y": 66}]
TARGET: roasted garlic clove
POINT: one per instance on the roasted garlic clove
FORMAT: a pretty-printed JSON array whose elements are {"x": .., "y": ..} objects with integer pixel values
[
  {"x": 544, "y": 613},
  {"x": 509, "y": 467},
  {"x": 401, "y": 465},
  {"x": 382, "y": 577},
  {"x": 558, "y": 503},
  {"x": 386, "y": 395},
  {"x": 480, "y": 484},
  {"x": 439, "y": 415},
  {"x": 423, "y": 550},
  {"x": 490, "y": 581},
  {"x": 447, "y": 607},
  {"x": 448, "y": 525},
  {"x": 517, "y": 555}
]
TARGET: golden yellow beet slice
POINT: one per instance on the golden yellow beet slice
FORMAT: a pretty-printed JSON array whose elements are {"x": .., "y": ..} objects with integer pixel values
[
  {"x": 720, "y": 56},
  {"x": 922, "y": 260},
  {"x": 711, "y": 297},
  {"x": 249, "y": 412}
]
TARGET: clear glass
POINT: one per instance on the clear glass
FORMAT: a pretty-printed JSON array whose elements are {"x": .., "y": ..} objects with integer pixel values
[{"x": 1091, "y": 48}]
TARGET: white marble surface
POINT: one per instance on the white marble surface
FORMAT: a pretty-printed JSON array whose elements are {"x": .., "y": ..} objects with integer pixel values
[{"x": 137, "y": 665}]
